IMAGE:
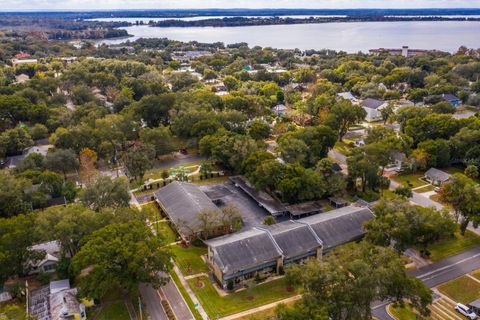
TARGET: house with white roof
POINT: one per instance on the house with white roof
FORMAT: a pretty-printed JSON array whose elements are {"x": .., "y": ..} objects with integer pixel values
[
  {"x": 48, "y": 264},
  {"x": 373, "y": 108}
]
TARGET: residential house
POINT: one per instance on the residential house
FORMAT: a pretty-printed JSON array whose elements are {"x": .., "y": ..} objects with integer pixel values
[
  {"x": 436, "y": 177},
  {"x": 348, "y": 96},
  {"x": 182, "y": 202},
  {"x": 48, "y": 264},
  {"x": 280, "y": 110},
  {"x": 452, "y": 99},
  {"x": 56, "y": 301},
  {"x": 373, "y": 108},
  {"x": 398, "y": 160},
  {"x": 263, "y": 250},
  {"x": 22, "y": 78},
  {"x": 13, "y": 161},
  {"x": 16, "y": 62}
]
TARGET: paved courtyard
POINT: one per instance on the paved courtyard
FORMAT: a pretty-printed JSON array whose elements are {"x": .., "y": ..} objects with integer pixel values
[{"x": 252, "y": 214}]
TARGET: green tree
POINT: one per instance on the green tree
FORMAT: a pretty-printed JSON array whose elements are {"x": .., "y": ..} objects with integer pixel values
[
  {"x": 259, "y": 130},
  {"x": 121, "y": 256},
  {"x": 39, "y": 131},
  {"x": 14, "y": 141},
  {"x": 319, "y": 141},
  {"x": 105, "y": 192},
  {"x": 154, "y": 110},
  {"x": 404, "y": 225},
  {"x": 471, "y": 171},
  {"x": 343, "y": 115},
  {"x": 62, "y": 160},
  {"x": 12, "y": 198},
  {"x": 464, "y": 197},
  {"x": 349, "y": 279},
  {"x": 138, "y": 159},
  {"x": 160, "y": 138},
  {"x": 16, "y": 236}
]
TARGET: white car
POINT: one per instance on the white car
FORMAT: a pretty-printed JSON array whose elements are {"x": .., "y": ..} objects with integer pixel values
[{"x": 466, "y": 311}]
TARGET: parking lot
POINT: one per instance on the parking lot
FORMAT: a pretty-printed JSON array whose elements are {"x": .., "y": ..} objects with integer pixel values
[{"x": 228, "y": 194}]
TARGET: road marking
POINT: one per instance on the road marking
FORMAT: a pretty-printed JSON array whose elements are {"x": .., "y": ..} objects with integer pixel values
[{"x": 448, "y": 267}]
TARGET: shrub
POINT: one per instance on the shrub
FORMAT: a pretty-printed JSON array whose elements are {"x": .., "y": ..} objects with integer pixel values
[
  {"x": 269, "y": 220},
  {"x": 43, "y": 278},
  {"x": 230, "y": 284}
]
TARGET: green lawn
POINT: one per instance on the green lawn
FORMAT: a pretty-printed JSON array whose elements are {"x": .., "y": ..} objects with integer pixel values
[
  {"x": 343, "y": 148},
  {"x": 153, "y": 213},
  {"x": 186, "y": 296},
  {"x": 450, "y": 247},
  {"x": 264, "y": 314},
  {"x": 476, "y": 274},
  {"x": 112, "y": 307},
  {"x": 454, "y": 170},
  {"x": 411, "y": 180},
  {"x": 157, "y": 173},
  {"x": 217, "y": 306},
  {"x": 211, "y": 181},
  {"x": 402, "y": 313},
  {"x": 165, "y": 231},
  {"x": 13, "y": 310},
  {"x": 425, "y": 189},
  {"x": 189, "y": 260},
  {"x": 114, "y": 310},
  {"x": 462, "y": 289}
]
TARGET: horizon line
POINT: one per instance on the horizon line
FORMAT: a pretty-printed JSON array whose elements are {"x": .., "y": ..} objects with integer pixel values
[{"x": 227, "y": 9}]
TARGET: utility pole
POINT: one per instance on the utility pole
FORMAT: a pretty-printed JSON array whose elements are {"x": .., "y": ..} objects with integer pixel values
[{"x": 140, "y": 308}]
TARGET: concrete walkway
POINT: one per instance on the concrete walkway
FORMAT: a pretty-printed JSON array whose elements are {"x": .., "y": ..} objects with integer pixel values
[
  {"x": 184, "y": 283},
  {"x": 261, "y": 308}
]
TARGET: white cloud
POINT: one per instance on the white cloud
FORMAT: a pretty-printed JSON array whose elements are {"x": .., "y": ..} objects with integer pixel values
[{"x": 171, "y": 4}]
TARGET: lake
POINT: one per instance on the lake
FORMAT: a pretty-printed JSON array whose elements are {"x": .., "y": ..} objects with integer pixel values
[{"x": 347, "y": 36}]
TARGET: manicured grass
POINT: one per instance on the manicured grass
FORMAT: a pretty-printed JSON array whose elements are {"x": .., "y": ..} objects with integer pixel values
[
  {"x": 265, "y": 314},
  {"x": 189, "y": 260},
  {"x": 157, "y": 173},
  {"x": 185, "y": 295},
  {"x": 450, "y": 247},
  {"x": 115, "y": 310},
  {"x": 476, "y": 274},
  {"x": 343, "y": 148},
  {"x": 462, "y": 289},
  {"x": 454, "y": 170},
  {"x": 217, "y": 306},
  {"x": 211, "y": 181},
  {"x": 411, "y": 180},
  {"x": 165, "y": 231},
  {"x": 153, "y": 213},
  {"x": 13, "y": 310},
  {"x": 425, "y": 189},
  {"x": 402, "y": 313}
]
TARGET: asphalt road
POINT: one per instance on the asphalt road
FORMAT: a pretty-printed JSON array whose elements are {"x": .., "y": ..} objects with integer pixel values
[
  {"x": 438, "y": 273},
  {"x": 152, "y": 301}
]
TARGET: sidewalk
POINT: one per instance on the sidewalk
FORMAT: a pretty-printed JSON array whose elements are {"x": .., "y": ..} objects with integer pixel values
[
  {"x": 190, "y": 292},
  {"x": 261, "y": 308}
]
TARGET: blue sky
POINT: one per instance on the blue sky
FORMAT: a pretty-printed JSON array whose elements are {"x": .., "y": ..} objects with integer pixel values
[{"x": 172, "y": 4}]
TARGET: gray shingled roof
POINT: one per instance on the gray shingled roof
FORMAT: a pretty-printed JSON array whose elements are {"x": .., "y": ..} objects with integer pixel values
[
  {"x": 339, "y": 226},
  {"x": 294, "y": 238},
  {"x": 256, "y": 246},
  {"x": 243, "y": 250},
  {"x": 372, "y": 103},
  {"x": 182, "y": 202},
  {"x": 437, "y": 175}
]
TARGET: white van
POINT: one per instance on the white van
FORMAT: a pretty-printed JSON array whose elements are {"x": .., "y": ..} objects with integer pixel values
[{"x": 466, "y": 311}]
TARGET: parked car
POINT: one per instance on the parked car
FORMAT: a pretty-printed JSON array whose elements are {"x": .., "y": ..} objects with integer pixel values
[
  {"x": 437, "y": 189},
  {"x": 466, "y": 311}
]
